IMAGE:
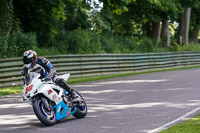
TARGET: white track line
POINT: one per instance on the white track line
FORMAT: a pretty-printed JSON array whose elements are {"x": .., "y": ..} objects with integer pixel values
[{"x": 174, "y": 121}]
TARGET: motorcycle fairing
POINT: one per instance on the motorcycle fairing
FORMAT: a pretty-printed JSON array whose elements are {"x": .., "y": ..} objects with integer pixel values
[{"x": 62, "y": 110}]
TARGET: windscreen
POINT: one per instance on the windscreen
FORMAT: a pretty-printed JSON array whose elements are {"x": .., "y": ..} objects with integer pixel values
[{"x": 29, "y": 77}]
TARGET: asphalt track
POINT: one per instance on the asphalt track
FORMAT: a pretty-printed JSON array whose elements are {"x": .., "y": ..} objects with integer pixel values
[{"x": 135, "y": 104}]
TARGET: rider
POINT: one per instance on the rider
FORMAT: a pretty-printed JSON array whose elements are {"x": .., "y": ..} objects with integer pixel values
[{"x": 44, "y": 67}]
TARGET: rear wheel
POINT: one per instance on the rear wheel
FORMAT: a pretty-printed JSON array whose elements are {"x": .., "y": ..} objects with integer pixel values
[
  {"x": 81, "y": 111},
  {"x": 47, "y": 117}
]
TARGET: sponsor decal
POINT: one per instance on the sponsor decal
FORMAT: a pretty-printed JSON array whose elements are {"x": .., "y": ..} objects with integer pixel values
[
  {"x": 58, "y": 99},
  {"x": 54, "y": 97},
  {"x": 29, "y": 88},
  {"x": 59, "y": 108},
  {"x": 39, "y": 86},
  {"x": 62, "y": 111},
  {"x": 50, "y": 91},
  {"x": 68, "y": 113}
]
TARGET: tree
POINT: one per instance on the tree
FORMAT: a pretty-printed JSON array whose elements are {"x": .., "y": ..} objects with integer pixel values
[
  {"x": 110, "y": 19},
  {"x": 146, "y": 13},
  {"x": 195, "y": 23},
  {"x": 169, "y": 12},
  {"x": 185, "y": 20},
  {"x": 6, "y": 17},
  {"x": 165, "y": 33},
  {"x": 45, "y": 17},
  {"x": 77, "y": 15}
]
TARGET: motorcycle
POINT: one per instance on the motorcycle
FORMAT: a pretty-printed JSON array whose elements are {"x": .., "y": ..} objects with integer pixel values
[{"x": 50, "y": 102}]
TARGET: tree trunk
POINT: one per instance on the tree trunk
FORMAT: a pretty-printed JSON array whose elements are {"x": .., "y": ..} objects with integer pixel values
[
  {"x": 148, "y": 30},
  {"x": 185, "y": 22},
  {"x": 165, "y": 33},
  {"x": 156, "y": 31},
  {"x": 195, "y": 35}
]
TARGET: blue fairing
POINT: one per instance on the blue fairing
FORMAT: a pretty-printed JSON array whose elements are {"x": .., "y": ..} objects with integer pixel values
[{"x": 62, "y": 110}]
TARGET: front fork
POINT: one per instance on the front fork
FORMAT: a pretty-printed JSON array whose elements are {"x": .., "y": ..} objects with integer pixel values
[{"x": 46, "y": 104}]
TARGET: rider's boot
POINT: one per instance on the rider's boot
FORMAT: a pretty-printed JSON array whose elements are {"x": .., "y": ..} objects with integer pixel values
[
  {"x": 71, "y": 99},
  {"x": 71, "y": 92}
]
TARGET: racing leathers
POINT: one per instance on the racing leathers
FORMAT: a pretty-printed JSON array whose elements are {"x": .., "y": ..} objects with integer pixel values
[{"x": 47, "y": 72}]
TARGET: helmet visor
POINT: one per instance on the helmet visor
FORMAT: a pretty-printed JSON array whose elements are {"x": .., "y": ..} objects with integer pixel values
[{"x": 27, "y": 60}]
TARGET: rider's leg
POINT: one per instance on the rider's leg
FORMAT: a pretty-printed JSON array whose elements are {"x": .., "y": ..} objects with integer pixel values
[{"x": 60, "y": 82}]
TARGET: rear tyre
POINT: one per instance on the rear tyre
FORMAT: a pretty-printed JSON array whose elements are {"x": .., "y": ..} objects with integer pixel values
[
  {"x": 81, "y": 111},
  {"x": 48, "y": 118}
]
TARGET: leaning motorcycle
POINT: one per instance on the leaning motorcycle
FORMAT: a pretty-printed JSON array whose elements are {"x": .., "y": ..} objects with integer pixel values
[{"x": 50, "y": 102}]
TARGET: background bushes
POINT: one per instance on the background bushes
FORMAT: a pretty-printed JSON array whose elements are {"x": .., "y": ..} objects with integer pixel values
[
  {"x": 88, "y": 42},
  {"x": 16, "y": 44},
  {"x": 81, "y": 41}
]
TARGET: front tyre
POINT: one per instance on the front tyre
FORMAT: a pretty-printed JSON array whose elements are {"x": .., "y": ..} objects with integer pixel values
[
  {"x": 48, "y": 118},
  {"x": 81, "y": 111}
]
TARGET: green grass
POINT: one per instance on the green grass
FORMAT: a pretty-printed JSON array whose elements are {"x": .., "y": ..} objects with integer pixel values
[
  {"x": 189, "y": 47},
  {"x": 190, "y": 126},
  {"x": 10, "y": 90},
  {"x": 18, "y": 89}
]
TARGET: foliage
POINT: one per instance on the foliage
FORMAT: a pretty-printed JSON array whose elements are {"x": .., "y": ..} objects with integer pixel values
[
  {"x": 77, "y": 15},
  {"x": 6, "y": 17},
  {"x": 194, "y": 21},
  {"x": 44, "y": 17},
  {"x": 189, "y": 3},
  {"x": 45, "y": 51},
  {"x": 117, "y": 44},
  {"x": 87, "y": 42},
  {"x": 190, "y": 47},
  {"x": 145, "y": 45},
  {"x": 135, "y": 18},
  {"x": 77, "y": 27},
  {"x": 16, "y": 43},
  {"x": 83, "y": 42},
  {"x": 118, "y": 7}
]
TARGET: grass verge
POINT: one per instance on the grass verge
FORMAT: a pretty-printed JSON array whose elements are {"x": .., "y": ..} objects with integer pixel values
[
  {"x": 190, "y": 126},
  {"x": 10, "y": 90},
  {"x": 18, "y": 89}
]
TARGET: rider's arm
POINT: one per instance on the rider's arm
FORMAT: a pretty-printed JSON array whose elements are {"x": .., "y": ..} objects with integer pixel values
[
  {"x": 23, "y": 72},
  {"x": 51, "y": 72}
]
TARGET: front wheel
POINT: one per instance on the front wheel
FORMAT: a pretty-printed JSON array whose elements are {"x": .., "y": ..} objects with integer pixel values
[
  {"x": 81, "y": 111},
  {"x": 47, "y": 117}
]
